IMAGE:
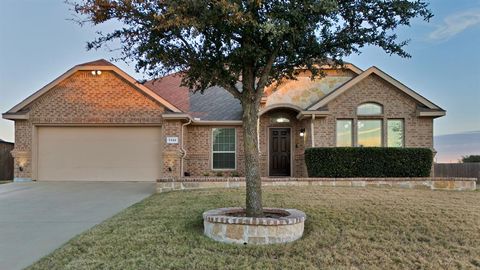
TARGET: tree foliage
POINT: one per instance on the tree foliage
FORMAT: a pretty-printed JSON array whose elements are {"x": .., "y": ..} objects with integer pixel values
[
  {"x": 471, "y": 159},
  {"x": 218, "y": 42},
  {"x": 224, "y": 42}
]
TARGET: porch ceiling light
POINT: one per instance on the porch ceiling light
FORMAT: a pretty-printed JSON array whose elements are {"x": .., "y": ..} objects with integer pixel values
[
  {"x": 302, "y": 132},
  {"x": 96, "y": 72},
  {"x": 282, "y": 120}
]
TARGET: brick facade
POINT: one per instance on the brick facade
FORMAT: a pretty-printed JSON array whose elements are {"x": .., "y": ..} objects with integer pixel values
[
  {"x": 84, "y": 99},
  {"x": 396, "y": 105}
]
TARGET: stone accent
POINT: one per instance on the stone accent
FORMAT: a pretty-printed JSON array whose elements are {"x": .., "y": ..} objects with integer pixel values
[
  {"x": 439, "y": 183},
  {"x": 222, "y": 225}
]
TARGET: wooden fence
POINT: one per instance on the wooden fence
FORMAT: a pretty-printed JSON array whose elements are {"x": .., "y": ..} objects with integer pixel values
[
  {"x": 6, "y": 161},
  {"x": 457, "y": 170}
]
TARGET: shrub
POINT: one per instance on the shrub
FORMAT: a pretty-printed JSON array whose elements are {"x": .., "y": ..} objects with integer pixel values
[
  {"x": 471, "y": 159},
  {"x": 368, "y": 162}
]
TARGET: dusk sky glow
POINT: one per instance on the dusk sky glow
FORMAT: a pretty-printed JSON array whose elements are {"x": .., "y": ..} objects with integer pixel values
[{"x": 38, "y": 43}]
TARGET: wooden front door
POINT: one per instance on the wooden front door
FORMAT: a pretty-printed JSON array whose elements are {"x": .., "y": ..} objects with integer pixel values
[{"x": 279, "y": 152}]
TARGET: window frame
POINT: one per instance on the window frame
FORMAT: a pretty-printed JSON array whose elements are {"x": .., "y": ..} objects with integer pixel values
[
  {"x": 403, "y": 132},
  {"x": 352, "y": 131},
  {"x": 212, "y": 152}
]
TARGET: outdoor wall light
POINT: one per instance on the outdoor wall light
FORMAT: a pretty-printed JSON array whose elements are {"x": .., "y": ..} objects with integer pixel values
[
  {"x": 96, "y": 72},
  {"x": 282, "y": 120},
  {"x": 302, "y": 132}
]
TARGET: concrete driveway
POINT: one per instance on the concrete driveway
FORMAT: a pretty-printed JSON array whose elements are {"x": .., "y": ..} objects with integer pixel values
[{"x": 36, "y": 218}]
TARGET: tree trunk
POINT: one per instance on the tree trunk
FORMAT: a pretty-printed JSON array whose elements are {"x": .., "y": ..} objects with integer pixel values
[{"x": 252, "y": 158}]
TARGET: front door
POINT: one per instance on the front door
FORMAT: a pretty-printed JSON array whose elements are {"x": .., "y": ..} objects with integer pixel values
[{"x": 279, "y": 152}]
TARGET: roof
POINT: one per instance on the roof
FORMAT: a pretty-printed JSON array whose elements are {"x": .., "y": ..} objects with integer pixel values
[
  {"x": 2, "y": 141},
  {"x": 214, "y": 104},
  {"x": 99, "y": 62},
  {"x": 217, "y": 104}
]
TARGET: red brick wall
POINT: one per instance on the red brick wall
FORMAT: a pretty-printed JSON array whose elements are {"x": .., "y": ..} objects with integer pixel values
[
  {"x": 396, "y": 104},
  {"x": 198, "y": 161},
  {"x": 83, "y": 98}
]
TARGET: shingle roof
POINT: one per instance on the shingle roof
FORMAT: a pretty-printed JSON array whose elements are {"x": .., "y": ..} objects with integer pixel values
[
  {"x": 214, "y": 104},
  {"x": 99, "y": 62}
]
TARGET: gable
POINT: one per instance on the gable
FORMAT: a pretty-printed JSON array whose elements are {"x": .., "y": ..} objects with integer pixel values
[
  {"x": 374, "y": 89},
  {"x": 19, "y": 111},
  {"x": 83, "y": 97},
  {"x": 422, "y": 101}
]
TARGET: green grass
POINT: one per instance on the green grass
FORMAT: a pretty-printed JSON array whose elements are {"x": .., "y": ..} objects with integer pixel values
[{"x": 347, "y": 228}]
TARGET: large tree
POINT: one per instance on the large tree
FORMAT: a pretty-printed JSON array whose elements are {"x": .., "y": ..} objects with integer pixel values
[{"x": 244, "y": 46}]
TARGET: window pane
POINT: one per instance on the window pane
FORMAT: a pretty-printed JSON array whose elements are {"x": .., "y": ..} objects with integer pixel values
[
  {"x": 344, "y": 132},
  {"x": 224, "y": 139},
  {"x": 369, "y": 109},
  {"x": 395, "y": 133},
  {"x": 223, "y": 148},
  {"x": 224, "y": 160},
  {"x": 369, "y": 132}
]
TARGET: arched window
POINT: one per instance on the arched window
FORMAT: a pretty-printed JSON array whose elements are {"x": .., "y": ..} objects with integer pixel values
[{"x": 369, "y": 109}]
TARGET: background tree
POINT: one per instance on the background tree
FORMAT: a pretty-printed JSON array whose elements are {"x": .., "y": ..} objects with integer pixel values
[
  {"x": 244, "y": 46},
  {"x": 470, "y": 159}
]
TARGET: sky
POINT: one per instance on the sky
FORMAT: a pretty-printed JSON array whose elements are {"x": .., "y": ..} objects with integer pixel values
[{"x": 39, "y": 42}]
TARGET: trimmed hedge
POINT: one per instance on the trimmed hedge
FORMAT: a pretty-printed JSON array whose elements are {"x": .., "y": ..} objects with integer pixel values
[{"x": 368, "y": 162}]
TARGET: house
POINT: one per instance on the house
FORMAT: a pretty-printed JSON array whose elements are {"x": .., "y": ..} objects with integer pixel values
[
  {"x": 95, "y": 122},
  {"x": 6, "y": 160}
]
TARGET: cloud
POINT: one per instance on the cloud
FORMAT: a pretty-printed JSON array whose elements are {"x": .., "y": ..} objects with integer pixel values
[{"x": 455, "y": 24}]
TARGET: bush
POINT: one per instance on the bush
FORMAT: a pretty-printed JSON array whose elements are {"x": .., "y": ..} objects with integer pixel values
[
  {"x": 471, "y": 159},
  {"x": 368, "y": 162}
]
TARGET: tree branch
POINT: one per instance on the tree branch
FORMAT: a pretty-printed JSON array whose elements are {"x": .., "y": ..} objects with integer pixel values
[{"x": 266, "y": 72}]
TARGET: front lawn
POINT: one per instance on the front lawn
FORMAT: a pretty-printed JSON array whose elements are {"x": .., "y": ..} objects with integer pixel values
[{"x": 347, "y": 228}]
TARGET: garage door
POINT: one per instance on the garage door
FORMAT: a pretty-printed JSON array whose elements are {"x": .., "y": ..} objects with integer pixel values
[{"x": 99, "y": 153}]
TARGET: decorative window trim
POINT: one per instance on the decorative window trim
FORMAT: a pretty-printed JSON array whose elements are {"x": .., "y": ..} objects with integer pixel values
[{"x": 212, "y": 152}]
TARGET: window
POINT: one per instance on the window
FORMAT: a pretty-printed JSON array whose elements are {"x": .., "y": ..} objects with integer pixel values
[
  {"x": 223, "y": 148},
  {"x": 369, "y": 109},
  {"x": 395, "y": 133},
  {"x": 344, "y": 133},
  {"x": 369, "y": 133}
]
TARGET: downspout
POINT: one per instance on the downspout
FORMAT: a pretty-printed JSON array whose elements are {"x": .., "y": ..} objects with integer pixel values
[
  {"x": 184, "y": 152},
  {"x": 312, "y": 130}
]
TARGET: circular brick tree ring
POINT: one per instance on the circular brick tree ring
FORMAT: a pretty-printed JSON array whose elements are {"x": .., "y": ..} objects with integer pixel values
[{"x": 229, "y": 225}]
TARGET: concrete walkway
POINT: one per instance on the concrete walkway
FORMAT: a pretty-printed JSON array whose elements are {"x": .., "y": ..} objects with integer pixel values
[{"x": 38, "y": 217}]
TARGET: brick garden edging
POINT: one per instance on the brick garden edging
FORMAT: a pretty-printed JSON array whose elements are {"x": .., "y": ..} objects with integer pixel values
[
  {"x": 221, "y": 225},
  {"x": 437, "y": 183}
]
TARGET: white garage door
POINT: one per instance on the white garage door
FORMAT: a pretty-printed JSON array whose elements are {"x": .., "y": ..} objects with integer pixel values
[{"x": 99, "y": 153}]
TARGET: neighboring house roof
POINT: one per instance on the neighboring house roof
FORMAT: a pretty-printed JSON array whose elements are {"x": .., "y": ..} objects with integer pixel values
[
  {"x": 2, "y": 141},
  {"x": 101, "y": 64},
  {"x": 374, "y": 70}
]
